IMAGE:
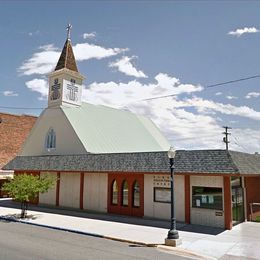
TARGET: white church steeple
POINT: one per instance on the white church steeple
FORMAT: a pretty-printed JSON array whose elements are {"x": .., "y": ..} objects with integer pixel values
[{"x": 65, "y": 82}]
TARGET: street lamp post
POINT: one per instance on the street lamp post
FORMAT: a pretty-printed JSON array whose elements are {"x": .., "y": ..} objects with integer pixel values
[{"x": 173, "y": 234}]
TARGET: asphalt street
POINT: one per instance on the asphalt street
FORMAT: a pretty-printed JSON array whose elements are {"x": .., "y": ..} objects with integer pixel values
[{"x": 22, "y": 241}]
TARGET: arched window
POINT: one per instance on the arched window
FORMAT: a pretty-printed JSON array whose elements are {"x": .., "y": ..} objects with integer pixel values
[
  {"x": 114, "y": 193},
  {"x": 136, "y": 194},
  {"x": 125, "y": 193},
  {"x": 51, "y": 139}
]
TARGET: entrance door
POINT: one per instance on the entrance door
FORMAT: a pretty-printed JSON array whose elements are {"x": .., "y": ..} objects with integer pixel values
[
  {"x": 126, "y": 194},
  {"x": 237, "y": 205}
]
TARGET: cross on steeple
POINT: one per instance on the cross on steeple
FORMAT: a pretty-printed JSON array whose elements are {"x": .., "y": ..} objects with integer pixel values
[
  {"x": 68, "y": 31},
  {"x": 67, "y": 59}
]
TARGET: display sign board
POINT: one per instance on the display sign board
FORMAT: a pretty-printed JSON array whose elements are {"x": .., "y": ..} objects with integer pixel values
[{"x": 162, "y": 195}]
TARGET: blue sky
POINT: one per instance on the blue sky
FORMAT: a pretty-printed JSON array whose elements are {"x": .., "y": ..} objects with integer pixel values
[{"x": 134, "y": 50}]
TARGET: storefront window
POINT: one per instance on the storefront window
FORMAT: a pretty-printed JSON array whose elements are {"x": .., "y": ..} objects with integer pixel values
[
  {"x": 114, "y": 193},
  {"x": 207, "y": 197},
  {"x": 125, "y": 193},
  {"x": 136, "y": 194}
]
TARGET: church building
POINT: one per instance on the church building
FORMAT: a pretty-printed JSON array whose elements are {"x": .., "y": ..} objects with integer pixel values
[{"x": 114, "y": 161}]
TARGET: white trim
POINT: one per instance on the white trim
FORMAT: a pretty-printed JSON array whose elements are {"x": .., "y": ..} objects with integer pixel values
[{"x": 4, "y": 174}]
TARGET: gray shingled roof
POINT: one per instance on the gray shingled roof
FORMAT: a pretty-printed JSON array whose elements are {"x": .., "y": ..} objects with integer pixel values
[
  {"x": 246, "y": 163},
  {"x": 197, "y": 161}
]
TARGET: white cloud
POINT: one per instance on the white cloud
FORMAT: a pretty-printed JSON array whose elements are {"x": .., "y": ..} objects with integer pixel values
[
  {"x": 48, "y": 47},
  {"x": 10, "y": 93},
  {"x": 231, "y": 97},
  {"x": 40, "y": 86},
  {"x": 86, "y": 51},
  {"x": 44, "y": 61},
  {"x": 253, "y": 95},
  {"x": 125, "y": 66},
  {"x": 41, "y": 62},
  {"x": 203, "y": 106},
  {"x": 89, "y": 35},
  {"x": 218, "y": 93},
  {"x": 239, "y": 32},
  {"x": 118, "y": 94}
]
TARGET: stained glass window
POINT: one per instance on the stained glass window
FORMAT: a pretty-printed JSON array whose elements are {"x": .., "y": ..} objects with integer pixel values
[
  {"x": 114, "y": 193},
  {"x": 136, "y": 194},
  {"x": 125, "y": 193}
]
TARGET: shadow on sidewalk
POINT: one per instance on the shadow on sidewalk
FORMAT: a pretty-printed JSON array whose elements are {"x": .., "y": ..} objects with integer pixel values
[
  {"x": 8, "y": 203},
  {"x": 17, "y": 217}
]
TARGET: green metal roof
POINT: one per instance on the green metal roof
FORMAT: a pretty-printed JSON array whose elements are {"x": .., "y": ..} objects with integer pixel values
[{"x": 103, "y": 129}]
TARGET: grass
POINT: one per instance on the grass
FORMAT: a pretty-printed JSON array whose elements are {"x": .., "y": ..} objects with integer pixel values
[{"x": 257, "y": 219}]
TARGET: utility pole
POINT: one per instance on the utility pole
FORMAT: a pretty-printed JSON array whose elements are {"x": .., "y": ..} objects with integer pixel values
[{"x": 225, "y": 138}]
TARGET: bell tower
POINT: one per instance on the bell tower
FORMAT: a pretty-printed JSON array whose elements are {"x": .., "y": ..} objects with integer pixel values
[{"x": 65, "y": 82}]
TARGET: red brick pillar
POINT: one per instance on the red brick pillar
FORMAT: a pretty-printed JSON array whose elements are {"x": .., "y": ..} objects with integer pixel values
[
  {"x": 187, "y": 198},
  {"x": 58, "y": 189},
  {"x": 81, "y": 191},
  {"x": 227, "y": 203}
]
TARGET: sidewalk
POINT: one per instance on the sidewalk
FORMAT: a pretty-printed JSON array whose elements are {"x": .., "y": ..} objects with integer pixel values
[{"x": 243, "y": 241}]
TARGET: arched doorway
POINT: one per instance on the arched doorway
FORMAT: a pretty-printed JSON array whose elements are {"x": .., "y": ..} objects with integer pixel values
[{"x": 126, "y": 194}]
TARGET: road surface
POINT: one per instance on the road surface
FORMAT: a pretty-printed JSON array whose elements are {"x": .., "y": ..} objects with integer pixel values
[{"x": 23, "y": 241}]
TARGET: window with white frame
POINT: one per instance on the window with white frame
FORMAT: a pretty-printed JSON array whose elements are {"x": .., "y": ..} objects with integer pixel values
[{"x": 51, "y": 139}]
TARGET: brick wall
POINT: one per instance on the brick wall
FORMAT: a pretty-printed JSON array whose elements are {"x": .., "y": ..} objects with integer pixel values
[
  {"x": 252, "y": 194},
  {"x": 13, "y": 131}
]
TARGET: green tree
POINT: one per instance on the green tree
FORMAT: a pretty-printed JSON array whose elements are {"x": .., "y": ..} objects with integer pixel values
[{"x": 26, "y": 187}]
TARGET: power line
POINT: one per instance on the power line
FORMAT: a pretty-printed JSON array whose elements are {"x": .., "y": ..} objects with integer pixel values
[
  {"x": 236, "y": 141},
  {"x": 208, "y": 86},
  {"x": 30, "y": 108},
  {"x": 33, "y": 108},
  {"x": 232, "y": 81},
  {"x": 158, "y": 97}
]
